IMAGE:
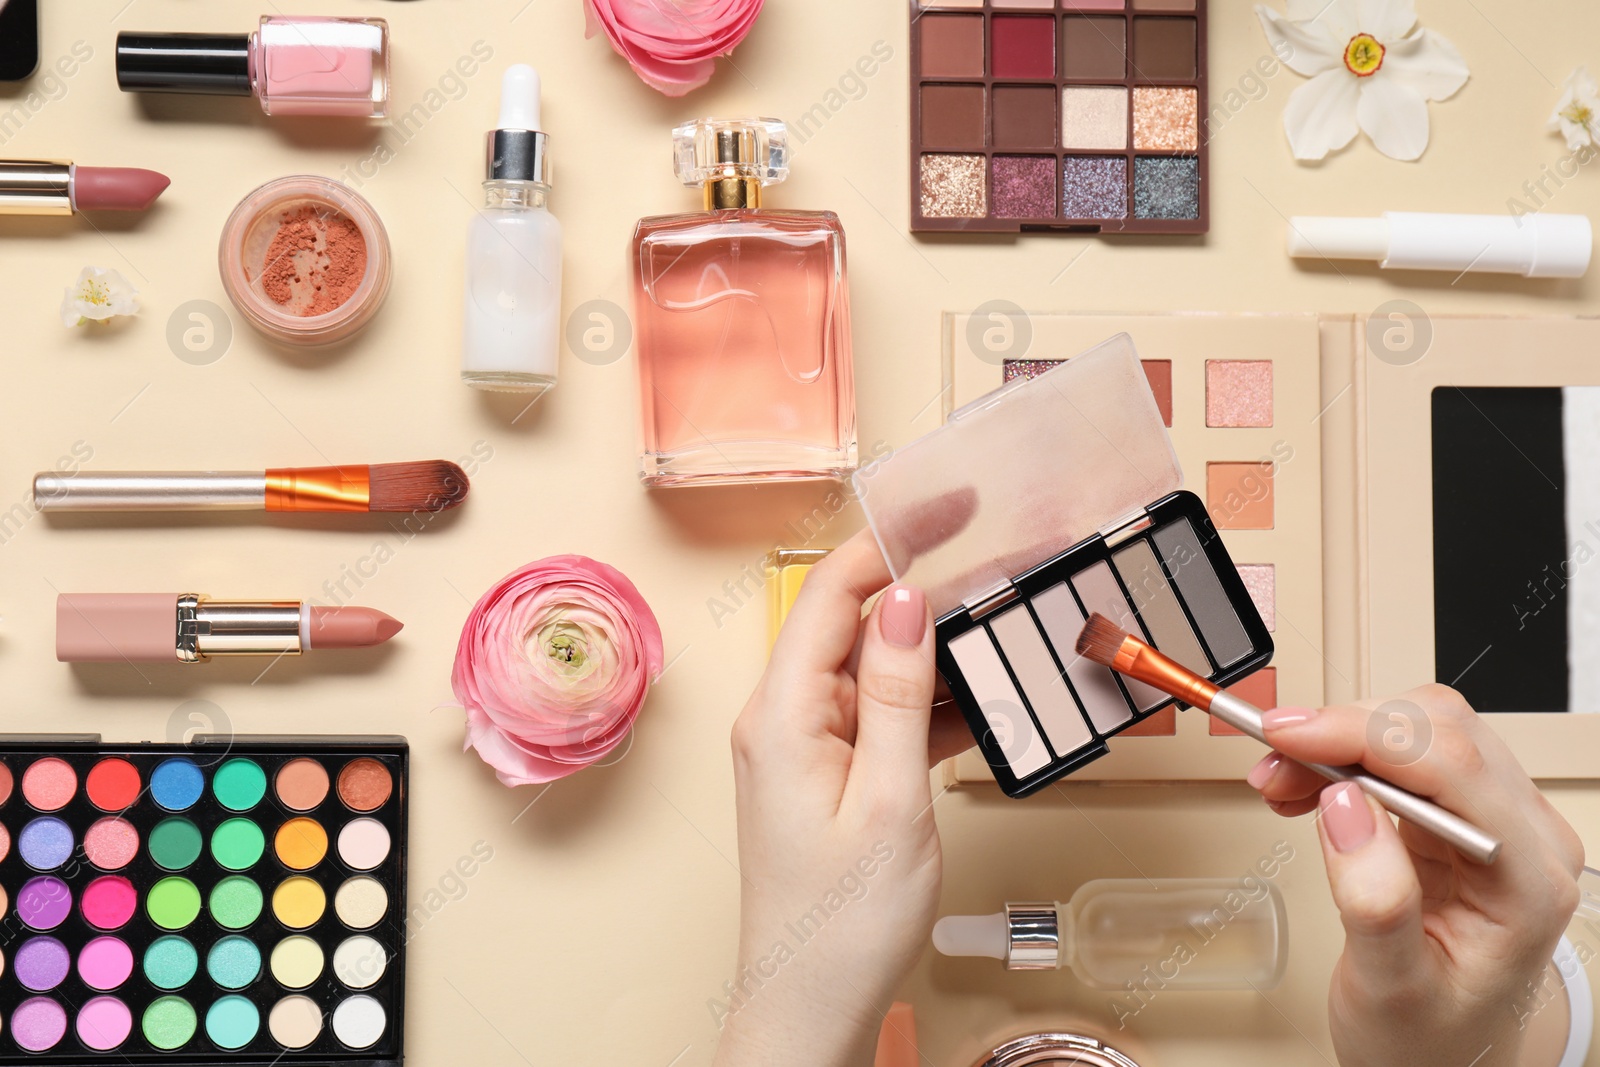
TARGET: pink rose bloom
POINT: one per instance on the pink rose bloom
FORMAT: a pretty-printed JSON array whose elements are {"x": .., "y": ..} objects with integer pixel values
[
  {"x": 671, "y": 44},
  {"x": 553, "y": 666}
]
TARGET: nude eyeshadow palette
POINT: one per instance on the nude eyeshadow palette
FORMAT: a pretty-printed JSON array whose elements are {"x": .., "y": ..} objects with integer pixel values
[
  {"x": 1069, "y": 115},
  {"x": 1050, "y": 499},
  {"x": 235, "y": 900}
]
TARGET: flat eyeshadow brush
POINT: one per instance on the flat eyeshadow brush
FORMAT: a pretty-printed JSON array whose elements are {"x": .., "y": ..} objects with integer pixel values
[
  {"x": 1104, "y": 642},
  {"x": 430, "y": 485}
]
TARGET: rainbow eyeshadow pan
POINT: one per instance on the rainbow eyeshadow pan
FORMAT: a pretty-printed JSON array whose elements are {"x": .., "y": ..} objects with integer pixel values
[
  {"x": 235, "y": 902},
  {"x": 113, "y": 784},
  {"x": 175, "y": 843},
  {"x": 239, "y": 784},
  {"x": 111, "y": 843},
  {"x": 1073, "y": 116}
]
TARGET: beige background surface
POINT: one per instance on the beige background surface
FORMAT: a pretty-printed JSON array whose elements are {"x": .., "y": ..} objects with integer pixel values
[{"x": 606, "y": 920}]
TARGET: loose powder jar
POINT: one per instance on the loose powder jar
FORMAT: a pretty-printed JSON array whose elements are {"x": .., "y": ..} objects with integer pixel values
[{"x": 305, "y": 259}]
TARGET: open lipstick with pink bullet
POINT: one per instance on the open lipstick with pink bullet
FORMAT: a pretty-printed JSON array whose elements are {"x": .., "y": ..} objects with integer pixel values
[
  {"x": 59, "y": 187},
  {"x": 189, "y": 628}
]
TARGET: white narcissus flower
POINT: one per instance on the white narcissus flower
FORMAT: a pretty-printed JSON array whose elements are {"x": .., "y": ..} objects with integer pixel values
[
  {"x": 100, "y": 293},
  {"x": 1577, "y": 117},
  {"x": 1371, "y": 67}
]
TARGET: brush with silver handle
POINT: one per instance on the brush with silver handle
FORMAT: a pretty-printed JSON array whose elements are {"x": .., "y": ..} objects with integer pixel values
[
  {"x": 432, "y": 485},
  {"x": 1104, "y": 642}
]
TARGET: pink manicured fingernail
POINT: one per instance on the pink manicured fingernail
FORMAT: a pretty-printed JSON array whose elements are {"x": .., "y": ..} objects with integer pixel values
[
  {"x": 905, "y": 616},
  {"x": 1262, "y": 772},
  {"x": 1347, "y": 816},
  {"x": 1279, "y": 717}
]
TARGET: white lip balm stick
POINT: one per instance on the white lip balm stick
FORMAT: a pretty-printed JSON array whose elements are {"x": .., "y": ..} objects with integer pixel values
[{"x": 1534, "y": 246}]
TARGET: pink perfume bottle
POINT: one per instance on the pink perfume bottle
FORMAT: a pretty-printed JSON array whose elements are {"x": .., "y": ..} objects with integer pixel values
[
  {"x": 743, "y": 323},
  {"x": 302, "y": 65}
]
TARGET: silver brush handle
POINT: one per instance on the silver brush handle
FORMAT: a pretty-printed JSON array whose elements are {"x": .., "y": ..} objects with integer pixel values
[
  {"x": 1477, "y": 845},
  {"x": 150, "y": 491}
]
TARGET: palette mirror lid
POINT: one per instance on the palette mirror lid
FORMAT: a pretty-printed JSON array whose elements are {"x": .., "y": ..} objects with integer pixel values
[{"x": 1020, "y": 476}]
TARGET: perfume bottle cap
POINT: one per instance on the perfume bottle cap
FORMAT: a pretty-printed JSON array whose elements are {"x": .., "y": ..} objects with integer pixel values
[
  {"x": 517, "y": 150},
  {"x": 709, "y": 150}
]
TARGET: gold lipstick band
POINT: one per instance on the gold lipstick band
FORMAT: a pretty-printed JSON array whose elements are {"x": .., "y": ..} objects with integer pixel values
[
  {"x": 237, "y": 628},
  {"x": 319, "y": 489},
  {"x": 35, "y": 187}
]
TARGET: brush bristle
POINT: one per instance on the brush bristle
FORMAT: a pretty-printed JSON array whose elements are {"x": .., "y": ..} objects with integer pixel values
[
  {"x": 1100, "y": 640},
  {"x": 431, "y": 485}
]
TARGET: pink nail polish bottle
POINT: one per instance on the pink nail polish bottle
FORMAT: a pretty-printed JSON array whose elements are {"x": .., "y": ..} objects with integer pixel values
[{"x": 302, "y": 65}]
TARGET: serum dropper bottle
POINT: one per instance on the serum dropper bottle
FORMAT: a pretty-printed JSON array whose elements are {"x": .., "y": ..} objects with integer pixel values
[{"x": 512, "y": 337}]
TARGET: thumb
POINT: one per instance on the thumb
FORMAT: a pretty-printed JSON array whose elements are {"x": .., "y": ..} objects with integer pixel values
[
  {"x": 1376, "y": 890},
  {"x": 894, "y": 699}
]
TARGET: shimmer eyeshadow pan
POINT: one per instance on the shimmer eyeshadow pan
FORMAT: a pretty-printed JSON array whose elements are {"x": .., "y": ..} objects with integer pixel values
[
  {"x": 229, "y": 900},
  {"x": 1078, "y": 116}
]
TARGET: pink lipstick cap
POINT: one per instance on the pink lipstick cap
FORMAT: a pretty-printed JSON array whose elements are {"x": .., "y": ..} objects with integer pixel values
[{"x": 117, "y": 627}]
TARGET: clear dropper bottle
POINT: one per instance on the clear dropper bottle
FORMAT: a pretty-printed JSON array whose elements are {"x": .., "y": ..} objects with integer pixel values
[{"x": 1182, "y": 933}]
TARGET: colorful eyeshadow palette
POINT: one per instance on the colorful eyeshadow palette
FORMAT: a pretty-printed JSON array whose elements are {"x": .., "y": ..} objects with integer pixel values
[
  {"x": 1072, "y": 115},
  {"x": 1015, "y": 555},
  {"x": 230, "y": 900}
]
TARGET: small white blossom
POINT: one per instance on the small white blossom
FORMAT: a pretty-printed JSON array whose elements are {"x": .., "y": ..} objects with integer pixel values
[
  {"x": 99, "y": 294},
  {"x": 1577, "y": 117},
  {"x": 1372, "y": 69}
]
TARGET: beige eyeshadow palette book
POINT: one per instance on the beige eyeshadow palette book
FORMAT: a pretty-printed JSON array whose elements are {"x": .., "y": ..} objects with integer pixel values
[{"x": 1342, "y": 462}]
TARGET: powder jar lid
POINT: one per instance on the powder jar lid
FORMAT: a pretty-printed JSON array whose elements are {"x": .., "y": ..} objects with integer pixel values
[
  {"x": 1020, "y": 475},
  {"x": 1039, "y": 1050},
  {"x": 710, "y": 149}
]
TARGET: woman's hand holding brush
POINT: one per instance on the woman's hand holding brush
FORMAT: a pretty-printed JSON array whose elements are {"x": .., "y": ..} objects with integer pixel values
[{"x": 1440, "y": 952}]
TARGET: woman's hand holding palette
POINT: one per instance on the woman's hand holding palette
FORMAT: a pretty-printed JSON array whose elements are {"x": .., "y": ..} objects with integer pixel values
[{"x": 243, "y": 902}]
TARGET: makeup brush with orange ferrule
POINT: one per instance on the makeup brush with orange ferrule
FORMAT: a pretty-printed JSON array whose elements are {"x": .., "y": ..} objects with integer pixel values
[
  {"x": 1104, "y": 642},
  {"x": 430, "y": 485}
]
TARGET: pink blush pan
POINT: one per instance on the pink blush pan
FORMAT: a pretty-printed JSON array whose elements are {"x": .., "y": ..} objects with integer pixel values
[
  {"x": 111, "y": 843},
  {"x": 104, "y": 1023},
  {"x": 105, "y": 963},
  {"x": 109, "y": 902},
  {"x": 49, "y": 783}
]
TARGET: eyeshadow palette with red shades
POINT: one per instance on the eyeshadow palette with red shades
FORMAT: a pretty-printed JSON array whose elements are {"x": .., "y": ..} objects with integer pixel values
[
  {"x": 226, "y": 900},
  {"x": 1070, "y": 115}
]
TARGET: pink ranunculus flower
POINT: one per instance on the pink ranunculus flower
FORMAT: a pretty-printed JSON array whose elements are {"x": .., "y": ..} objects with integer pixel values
[
  {"x": 672, "y": 44},
  {"x": 553, "y": 666}
]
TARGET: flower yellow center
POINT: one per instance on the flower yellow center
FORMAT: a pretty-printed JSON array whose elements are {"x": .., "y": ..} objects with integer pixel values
[
  {"x": 1363, "y": 56},
  {"x": 1579, "y": 113},
  {"x": 567, "y": 648},
  {"x": 95, "y": 293}
]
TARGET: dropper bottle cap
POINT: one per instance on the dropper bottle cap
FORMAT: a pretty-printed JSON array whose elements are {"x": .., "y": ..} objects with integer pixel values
[
  {"x": 1025, "y": 937},
  {"x": 518, "y": 150}
]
